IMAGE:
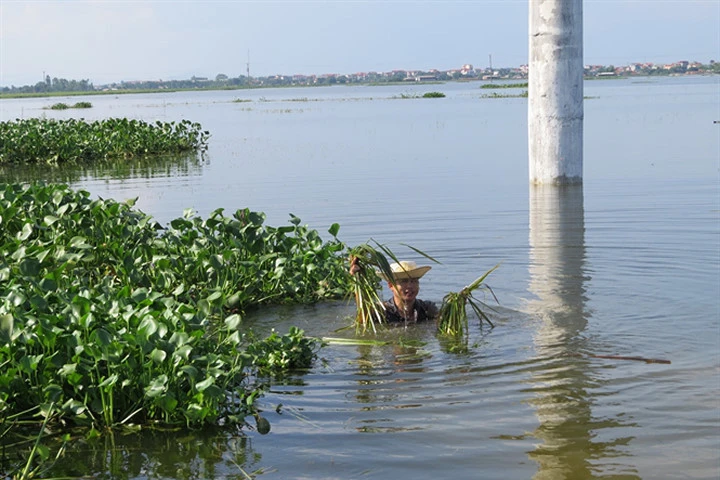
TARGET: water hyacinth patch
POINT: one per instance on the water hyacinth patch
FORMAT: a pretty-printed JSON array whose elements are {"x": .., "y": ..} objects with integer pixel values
[
  {"x": 117, "y": 320},
  {"x": 49, "y": 141}
]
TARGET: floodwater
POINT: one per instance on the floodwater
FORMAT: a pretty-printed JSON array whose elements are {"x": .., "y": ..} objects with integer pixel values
[{"x": 627, "y": 265}]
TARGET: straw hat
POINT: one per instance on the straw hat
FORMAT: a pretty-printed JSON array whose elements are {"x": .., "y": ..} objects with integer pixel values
[{"x": 408, "y": 269}]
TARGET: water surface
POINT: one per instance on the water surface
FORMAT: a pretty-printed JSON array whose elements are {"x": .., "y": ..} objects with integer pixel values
[{"x": 626, "y": 265}]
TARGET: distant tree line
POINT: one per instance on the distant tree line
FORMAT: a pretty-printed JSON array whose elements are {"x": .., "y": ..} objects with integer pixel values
[
  {"x": 220, "y": 81},
  {"x": 52, "y": 85}
]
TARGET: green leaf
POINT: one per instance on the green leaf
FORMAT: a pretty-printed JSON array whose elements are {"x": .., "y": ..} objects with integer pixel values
[
  {"x": 157, "y": 387},
  {"x": 334, "y": 229},
  {"x": 109, "y": 382},
  {"x": 182, "y": 353},
  {"x": 205, "y": 384},
  {"x": 18, "y": 254},
  {"x": 43, "y": 452},
  {"x": 233, "y": 322},
  {"x": 213, "y": 391},
  {"x": 53, "y": 392},
  {"x": 16, "y": 298},
  {"x": 158, "y": 356},
  {"x": 139, "y": 294},
  {"x": 179, "y": 338},
  {"x": 214, "y": 296},
  {"x": 30, "y": 267},
  {"x": 25, "y": 233},
  {"x": 67, "y": 369},
  {"x": 6, "y": 328},
  {"x": 38, "y": 302},
  {"x": 79, "y": 243},
  {"x": 50, "y": 219},
  {"x": 190, "y": 371},
  {"x": 147, "y": 326},
  {"x": 74, "y": 406},
  {"x": 48, "y": 284},
  {"x": 102, "y": 337}
]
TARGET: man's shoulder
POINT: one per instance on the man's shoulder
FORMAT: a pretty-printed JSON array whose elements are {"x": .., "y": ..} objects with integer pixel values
[{"x": 430, "y": 308}]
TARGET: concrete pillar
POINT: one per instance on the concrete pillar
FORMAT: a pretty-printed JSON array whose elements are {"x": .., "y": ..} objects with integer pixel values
[{"x": 555, "y": 92}]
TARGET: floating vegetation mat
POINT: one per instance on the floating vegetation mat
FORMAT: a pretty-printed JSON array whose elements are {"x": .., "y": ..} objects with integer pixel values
[{"x": 52, "y": 142}]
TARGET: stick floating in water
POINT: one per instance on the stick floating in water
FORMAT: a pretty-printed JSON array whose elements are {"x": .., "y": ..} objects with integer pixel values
[{"x": 620, "y": 357}]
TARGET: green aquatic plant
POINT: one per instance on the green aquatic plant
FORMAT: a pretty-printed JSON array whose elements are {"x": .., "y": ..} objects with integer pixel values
[
  {"x": 434, "y": 95},
  {"x": 505, "y": 85},
  {"x": 367, "y": 265},
  {"x": 277, "y": 354},
  {"x": 452, "y": 318},
  {"x": 406, "y": 96},
  {"x": 65, "y": 106},
  {"x": 118, "y": 320},
  {"x": 49, "y": 141},
  {"x": 498, "y": 95}
]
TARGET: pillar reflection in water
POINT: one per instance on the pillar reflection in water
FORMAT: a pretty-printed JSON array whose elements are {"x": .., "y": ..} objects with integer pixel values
[
  {"x": 562, "y": 380},
  {"x": 557, "y": 260}
]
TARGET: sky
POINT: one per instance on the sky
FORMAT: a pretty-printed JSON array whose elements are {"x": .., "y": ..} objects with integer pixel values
[{"x": 107, "y": 41}]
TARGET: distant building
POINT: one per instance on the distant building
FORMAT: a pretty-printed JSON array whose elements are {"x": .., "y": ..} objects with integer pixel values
[{"x": 467, "y": 70}]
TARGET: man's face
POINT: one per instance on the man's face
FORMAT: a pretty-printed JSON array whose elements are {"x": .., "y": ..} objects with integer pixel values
[{"x": 406, "y": 289}]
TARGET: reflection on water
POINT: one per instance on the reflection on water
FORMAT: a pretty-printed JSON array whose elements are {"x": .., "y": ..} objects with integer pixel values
[
  {"x": 198, "y": 454},
  {"x": 564, "y": 385},
  {"x": 156, "y": 166}
]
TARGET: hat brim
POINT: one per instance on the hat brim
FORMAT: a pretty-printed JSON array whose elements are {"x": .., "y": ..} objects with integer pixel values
[{"x": 417, "y": 272}]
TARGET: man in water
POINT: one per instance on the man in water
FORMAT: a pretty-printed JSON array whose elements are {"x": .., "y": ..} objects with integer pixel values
[{"x": 405, "y": 307}]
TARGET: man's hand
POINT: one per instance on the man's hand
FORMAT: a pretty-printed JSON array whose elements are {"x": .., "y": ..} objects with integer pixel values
[{"x": 355, "y": 265}]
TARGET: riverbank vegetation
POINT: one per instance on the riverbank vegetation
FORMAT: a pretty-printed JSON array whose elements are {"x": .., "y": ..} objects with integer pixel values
[{"x": 49, "y": 141}]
